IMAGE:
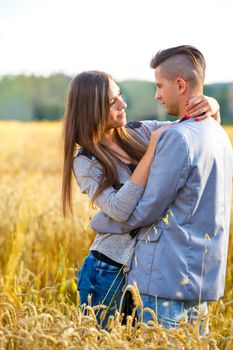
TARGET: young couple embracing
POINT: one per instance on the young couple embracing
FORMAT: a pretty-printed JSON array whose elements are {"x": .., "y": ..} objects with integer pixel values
[{"x": 164, "y": 189}]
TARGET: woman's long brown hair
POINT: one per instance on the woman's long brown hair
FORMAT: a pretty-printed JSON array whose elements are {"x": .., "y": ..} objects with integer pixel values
[{"x": 85, "y": 119}]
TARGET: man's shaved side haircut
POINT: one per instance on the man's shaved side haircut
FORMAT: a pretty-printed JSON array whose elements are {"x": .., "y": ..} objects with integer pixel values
[{"x": 183, "y": 61}]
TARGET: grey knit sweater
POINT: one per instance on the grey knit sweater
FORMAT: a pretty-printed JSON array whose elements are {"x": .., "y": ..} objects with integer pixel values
[{"x": 87, "y": 171}]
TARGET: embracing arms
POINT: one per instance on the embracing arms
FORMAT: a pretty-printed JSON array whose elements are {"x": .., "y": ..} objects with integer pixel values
[
  {"x": 169, "y": 172},
  {"x": 111, "y": 201}
]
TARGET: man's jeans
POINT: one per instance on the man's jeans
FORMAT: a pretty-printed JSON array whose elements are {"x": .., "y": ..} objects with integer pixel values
[
  {"x": 103, "y": 281},
  {"x": 170, "y": 312}
]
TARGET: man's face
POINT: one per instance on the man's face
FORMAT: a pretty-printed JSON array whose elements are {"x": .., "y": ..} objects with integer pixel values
[{"x": 167, "y": 93}]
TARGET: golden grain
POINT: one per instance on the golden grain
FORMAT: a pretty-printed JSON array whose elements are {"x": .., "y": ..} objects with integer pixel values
[{"x": 41, "y": 254}]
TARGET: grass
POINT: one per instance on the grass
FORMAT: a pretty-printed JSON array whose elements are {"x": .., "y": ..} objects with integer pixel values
[{"x": 41, "y": 254}]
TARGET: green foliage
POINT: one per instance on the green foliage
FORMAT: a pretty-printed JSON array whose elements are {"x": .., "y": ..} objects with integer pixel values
[
  {"x": 223, "y": 92},
  {"x": 43, "y": 98},
  {"x": 140, "y": 100},
  {"x": 33, "y": 98}
]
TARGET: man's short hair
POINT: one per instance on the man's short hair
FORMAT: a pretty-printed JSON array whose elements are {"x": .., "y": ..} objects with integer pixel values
[{"x": 183, "y": 61}]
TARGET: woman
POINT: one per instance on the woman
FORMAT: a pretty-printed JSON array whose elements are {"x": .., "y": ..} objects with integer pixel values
[{"x": 113, "y": 162}]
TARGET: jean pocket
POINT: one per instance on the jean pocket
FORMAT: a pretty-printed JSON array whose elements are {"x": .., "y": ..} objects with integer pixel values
[
  {"x": 107, "y": 275},
  {"x": 110, "y": 282},
  {"x": 104, "y": 267}
]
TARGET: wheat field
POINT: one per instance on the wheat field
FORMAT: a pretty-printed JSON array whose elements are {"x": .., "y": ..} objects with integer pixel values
[{"x": 41, "y": 254}]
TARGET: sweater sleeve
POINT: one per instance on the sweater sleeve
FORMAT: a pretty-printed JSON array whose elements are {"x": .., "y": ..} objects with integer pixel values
[
  {"x": 112, "y": 202},
  {"x": 152, "y": 125}
]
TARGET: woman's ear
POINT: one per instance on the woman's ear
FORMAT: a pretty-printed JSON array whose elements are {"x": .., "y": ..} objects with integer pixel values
[{"x": 181, "y": 86}]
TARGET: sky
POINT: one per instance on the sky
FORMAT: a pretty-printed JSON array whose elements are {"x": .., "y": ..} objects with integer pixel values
[{"x": 120, "y": 37}]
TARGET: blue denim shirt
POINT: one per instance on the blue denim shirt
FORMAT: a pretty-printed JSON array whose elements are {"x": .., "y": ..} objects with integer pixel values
[{"x": 183, "y": 215}]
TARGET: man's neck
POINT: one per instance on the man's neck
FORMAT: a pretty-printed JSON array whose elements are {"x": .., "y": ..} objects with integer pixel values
[{"x": 184, "y": 99}]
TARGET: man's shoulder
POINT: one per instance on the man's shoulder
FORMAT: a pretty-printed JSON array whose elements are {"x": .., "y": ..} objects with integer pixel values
[
  {"x": 175, "y": 132},
  {"x": 173, "y": 141},
  {"x": 189, "y": 129}
]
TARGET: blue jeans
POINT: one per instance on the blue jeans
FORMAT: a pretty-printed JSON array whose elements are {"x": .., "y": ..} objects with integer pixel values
[
  {"x": 170, "y": 312},
  {"x": 103, "y": 281}
]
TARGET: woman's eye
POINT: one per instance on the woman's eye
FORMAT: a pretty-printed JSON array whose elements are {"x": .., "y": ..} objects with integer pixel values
[
  {"x": 112, "y": 103},
  {"x": 120, "y": 96}
]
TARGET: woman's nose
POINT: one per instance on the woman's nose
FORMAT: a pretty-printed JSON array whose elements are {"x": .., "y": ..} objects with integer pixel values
[{"x": 122, "y": 103}]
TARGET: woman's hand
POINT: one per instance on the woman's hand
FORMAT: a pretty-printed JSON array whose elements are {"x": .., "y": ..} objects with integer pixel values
[
  {"x": 203, "y": 104},
  {"x": 154, "y": 138}
]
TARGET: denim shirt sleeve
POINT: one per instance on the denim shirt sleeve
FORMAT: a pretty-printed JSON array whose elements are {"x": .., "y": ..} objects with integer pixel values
[
  {"x": 112, "y": 202},
  {"x": 169, "y": 172},
  {"x": 154, "y": 124}
]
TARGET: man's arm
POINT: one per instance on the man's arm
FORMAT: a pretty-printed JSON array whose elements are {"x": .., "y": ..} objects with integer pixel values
[{"x": 169, "y": 172}]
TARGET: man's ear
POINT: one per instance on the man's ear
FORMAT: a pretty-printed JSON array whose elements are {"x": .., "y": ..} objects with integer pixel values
[{"x": 181, "y": 86}]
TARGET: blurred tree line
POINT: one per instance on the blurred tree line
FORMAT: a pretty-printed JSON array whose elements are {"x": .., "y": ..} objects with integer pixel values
[{"x": 29, "y": 98}]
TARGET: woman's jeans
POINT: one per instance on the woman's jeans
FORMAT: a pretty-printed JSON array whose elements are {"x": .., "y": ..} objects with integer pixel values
[
  {"x": 104, "y": 282},
  {"x": 170, "y": 312}
]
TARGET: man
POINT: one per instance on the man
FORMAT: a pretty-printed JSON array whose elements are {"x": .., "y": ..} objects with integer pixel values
[{"x": 180, "y": 260}]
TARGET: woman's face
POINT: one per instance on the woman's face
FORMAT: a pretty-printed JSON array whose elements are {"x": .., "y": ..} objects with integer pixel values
[{"x": 117, "y": 114}]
